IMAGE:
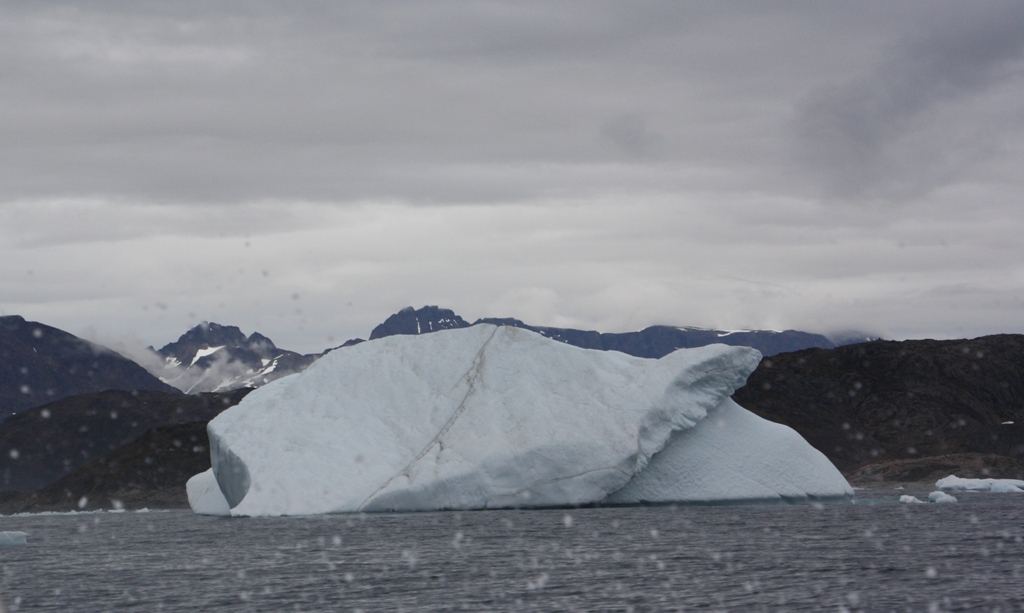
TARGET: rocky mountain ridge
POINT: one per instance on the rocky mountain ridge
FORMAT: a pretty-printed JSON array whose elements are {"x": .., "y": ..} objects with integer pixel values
[
  {"x": 215, "y": 358},
  {"x": 40, "y": 364},
  {"x": 651, "y": 342}
]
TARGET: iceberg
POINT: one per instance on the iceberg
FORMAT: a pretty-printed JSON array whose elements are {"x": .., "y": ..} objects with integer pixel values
[
  {"x": 941, "y": 497},
  {"x": 493, "y": 417},
  {"x": 992, "y": 485},
  {"x": 907, "y": 499}
]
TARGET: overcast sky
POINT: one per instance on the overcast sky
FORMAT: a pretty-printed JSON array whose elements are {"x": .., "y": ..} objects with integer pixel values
[{"x": 307, "y": 169}]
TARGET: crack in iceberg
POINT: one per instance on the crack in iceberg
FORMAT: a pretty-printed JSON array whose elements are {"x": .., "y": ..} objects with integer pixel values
[
  {"x": 472, "y": 374},
  {"x": 536, "y": 484}
]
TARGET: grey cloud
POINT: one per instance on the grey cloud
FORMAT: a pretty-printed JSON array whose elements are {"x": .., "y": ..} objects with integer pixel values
[
  {"x": 886, "y": 133},
  {"x": 214, "y": 102},
  {"x": 606, "y": 165},
  {"x": 631, "y": 135}
]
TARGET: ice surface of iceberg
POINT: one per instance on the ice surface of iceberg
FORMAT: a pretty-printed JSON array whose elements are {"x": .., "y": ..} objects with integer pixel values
[
  {"x": 734, "y": 455},
  {"x": 907, "y": 499},
  {"x": 485, "y": 417},
  {"x": 204, "y": 495},
  {"x": 12, "y": 539},
  {"x": 993, "y": 485},
  {"x": 941, "y": 497}
]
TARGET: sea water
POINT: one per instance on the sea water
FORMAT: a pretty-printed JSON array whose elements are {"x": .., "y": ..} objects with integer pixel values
[{"x": 874, "y": 555}]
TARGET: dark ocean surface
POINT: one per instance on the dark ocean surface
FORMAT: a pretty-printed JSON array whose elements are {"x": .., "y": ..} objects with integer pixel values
[{"x": 874, "y": 555}]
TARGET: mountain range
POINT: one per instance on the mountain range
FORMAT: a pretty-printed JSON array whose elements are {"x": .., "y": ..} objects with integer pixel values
[
  {"x": 211, "y": 357},
  {"x": 651, "y": 342},
  {"x": 39, "y": 363}
]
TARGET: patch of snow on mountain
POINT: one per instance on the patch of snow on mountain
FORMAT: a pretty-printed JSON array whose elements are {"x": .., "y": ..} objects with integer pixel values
[
  {"x": 259, "y": 377},
  {"x": 202, "y": 353},
  {"x": 267, "y": 368},
  {"x": 721, "y": 333}
]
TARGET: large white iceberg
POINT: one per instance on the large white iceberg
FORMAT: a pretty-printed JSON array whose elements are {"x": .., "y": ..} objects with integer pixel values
[{"x": 487, "y": 417}]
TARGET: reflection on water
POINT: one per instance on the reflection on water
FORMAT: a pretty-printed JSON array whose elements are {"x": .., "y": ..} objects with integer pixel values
[{"x": 809, "y": 557}]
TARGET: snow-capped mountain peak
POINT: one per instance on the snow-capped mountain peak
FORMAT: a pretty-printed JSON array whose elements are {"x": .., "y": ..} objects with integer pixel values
[{"x": 221, "y": 358}]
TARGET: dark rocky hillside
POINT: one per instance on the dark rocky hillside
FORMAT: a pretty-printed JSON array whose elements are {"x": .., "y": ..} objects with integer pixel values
[
  {"x": 651, "y": 342},
  {"x": 150, "y": 471},
  {"x": 887, "y": 400},
  {"x": 40, "y": 364},
  {"x": 932, "y": 468},
  {"x": 42, "y": 444}
]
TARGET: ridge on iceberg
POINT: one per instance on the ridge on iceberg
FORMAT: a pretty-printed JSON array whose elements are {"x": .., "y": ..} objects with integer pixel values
[
  {"x": 486, "y": 417},
  {"x": 734, "y": 455}
]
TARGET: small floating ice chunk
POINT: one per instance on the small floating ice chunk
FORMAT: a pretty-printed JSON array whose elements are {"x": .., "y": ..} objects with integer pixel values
[
  {"x": 992, "y": 485},
  {"x": 911, "y": 500},
  {"x": 11, "y": 539},
  {"x": 941, "y": 497}
]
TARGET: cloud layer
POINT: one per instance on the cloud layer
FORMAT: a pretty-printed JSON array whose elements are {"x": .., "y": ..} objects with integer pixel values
[{"x": 306, "y": 172}]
